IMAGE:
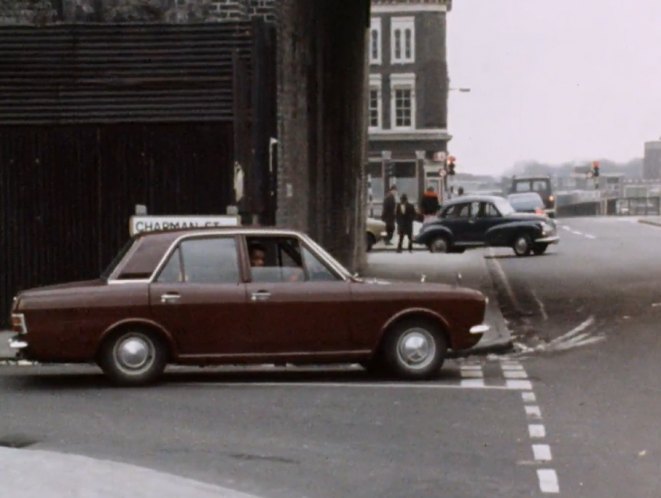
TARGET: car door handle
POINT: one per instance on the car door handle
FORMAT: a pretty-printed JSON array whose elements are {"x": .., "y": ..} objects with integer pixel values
[
  {"x": 170, "y": 298},
  {"x": 261, "y": 296}
]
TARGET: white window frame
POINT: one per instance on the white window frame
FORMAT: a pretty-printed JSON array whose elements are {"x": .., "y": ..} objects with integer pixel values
[
  {"x": 404, "y": 81},
  {"x": 375, "y": 29},
  {"x": 375, "y": 84},
  {"x": 402, "y": 25}
]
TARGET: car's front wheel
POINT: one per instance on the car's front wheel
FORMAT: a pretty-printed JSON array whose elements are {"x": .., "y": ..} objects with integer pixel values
[
  {"x": 522, "y": 245},
  {"x": 439, "y": 244},
  {"x": 133, "y": 357},
  {"x": 415, "y": 349},
  {"x": 539, "y": 249}
]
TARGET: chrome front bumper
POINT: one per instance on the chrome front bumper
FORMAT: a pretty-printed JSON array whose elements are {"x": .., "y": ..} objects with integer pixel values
[{"x": 551, "y": 239}]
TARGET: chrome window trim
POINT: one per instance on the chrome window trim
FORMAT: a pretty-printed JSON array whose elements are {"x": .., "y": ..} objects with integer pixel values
[{"x": 311, "y": 245}]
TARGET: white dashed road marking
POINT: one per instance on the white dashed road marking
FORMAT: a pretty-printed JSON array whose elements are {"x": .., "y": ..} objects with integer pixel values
[
  {"x": 577, "y": 232},
  {"x": 537, "y": 431},
  {"x": 548, "y": 478},
  {"x": 548, "y": 481},
  {"x": 542, "y": 452},
  {"x": 533, "y": 411}
]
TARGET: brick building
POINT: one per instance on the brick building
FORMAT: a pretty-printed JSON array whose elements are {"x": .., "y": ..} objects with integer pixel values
[{"x": 408, "y": 93}]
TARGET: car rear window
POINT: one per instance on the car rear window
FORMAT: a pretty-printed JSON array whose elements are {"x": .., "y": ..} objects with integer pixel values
[{"x": 144, "y": 258}]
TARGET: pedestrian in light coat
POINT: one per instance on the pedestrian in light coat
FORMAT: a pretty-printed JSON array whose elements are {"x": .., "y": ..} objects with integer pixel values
[{"x": 405, "y": 217}]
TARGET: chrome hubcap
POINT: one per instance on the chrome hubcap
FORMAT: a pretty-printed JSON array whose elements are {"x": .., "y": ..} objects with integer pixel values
[
  {"x": 134, "y": 353},
  {"x": 439, "y": 245},
  {"x": 521, "y": 245},
  {"x": 416, "y": 348}
]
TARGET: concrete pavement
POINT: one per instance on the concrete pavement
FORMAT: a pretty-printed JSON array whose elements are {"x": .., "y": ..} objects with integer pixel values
[
  {"x": 28, "y": 473},
  {"x": 651, "y": 220}
]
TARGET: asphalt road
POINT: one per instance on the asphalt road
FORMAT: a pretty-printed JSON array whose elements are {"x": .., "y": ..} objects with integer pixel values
[
  {"x": 573, "y": 412},
  {"x": 586, "y": 318}
]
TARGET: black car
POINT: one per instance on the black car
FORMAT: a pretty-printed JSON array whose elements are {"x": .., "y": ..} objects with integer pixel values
[{"x": 475, "y": 221}]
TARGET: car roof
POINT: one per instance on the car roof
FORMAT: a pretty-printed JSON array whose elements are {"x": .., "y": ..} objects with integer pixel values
[
  {"x": 523, "y": 194},
  {"x": 239, "y": 230},
  {"x": 473, "y": 198}
]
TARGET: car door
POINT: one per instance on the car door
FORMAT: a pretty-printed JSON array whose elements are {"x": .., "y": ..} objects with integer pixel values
[
  {"x": 199, "y": 297},
  {"x": 297, "y": 304},
  {"x": 456, "y": 218},
  {"x": 488, "y": 217},
  {"x": 471, "y": 227}
]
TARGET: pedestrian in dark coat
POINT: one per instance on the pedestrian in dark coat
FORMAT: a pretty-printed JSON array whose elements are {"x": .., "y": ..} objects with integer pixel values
[
  {"x": 405, "y": 218},
  {"x": 429, "y": 204},
  {"x": 388, "y": 213}
]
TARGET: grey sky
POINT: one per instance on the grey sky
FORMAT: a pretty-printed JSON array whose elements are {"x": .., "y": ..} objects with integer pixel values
[{"x": 555, "y": 81}]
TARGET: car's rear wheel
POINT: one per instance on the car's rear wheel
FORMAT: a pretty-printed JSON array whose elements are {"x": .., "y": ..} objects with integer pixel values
[
  {"x": 371, "y": 240},
  {"x": 414, "y": 349},
  {"x": 522, "y": 245},
  {"x": 439, "y": 244},
  {"x": 133, "y": 357},
  {"x": 539, "y": 249}
]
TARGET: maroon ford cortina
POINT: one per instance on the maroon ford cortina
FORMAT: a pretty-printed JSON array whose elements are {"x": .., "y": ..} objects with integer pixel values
[{"x": 237, "y": 296}]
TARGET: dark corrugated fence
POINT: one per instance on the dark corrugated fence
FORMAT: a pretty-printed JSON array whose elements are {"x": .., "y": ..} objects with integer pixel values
[
  {"x": 67, "y": 192},
  {"x": 119, "y": 73},
  {"x": 95, "y": 119}
]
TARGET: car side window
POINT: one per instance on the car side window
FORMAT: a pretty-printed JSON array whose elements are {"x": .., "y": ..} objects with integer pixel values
[
  {"x": 171, "y": 272},
  {"x": 464, "y": 211},
  {"x": 489, "y": 210},
  {"x": 275, "y": 259},
  {"x": 317, "y": 270},
  {"x": 205, "y": 261}
]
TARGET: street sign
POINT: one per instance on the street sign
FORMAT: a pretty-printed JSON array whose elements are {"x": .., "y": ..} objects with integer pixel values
[
  {"x": 441, "y": 172},
  {"x": 144, "y": 223}
]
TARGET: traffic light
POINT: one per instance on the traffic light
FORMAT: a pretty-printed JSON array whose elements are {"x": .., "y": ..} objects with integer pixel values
[
  {"x": 390, "y": 169},
  {"x": 595, "y": 169},
  {"x": 451, "y": 165}
]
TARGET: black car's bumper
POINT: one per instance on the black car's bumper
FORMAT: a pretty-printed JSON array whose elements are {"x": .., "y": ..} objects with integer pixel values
[{"x": 551, "y": 239}]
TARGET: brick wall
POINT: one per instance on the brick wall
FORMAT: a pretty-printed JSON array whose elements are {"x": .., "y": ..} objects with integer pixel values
[
  {"x": 321, "y": 122},
  {"x": 263, "y": 8},
  {"x": 169, "y": 11}
]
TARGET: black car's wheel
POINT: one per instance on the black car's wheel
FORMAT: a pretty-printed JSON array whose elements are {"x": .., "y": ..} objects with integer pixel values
[
  {"x": 371, "y": 240},
  {"x": 133, "y": 357},
  {"x": 414, "y": 349},
  {"x": 539, "y": 249},
  {"x": 522, "y": 245},
  {"x": 439, "y": 244}
]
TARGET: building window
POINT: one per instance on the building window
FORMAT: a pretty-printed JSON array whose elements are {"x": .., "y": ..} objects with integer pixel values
[
  {"x": 375, "y": 107},
  {"x": 403, "y": 40},
  {"x": 402, "y": 96},
  {"x": 375, "y": 41},
  {"x": 403, "y": 108}
]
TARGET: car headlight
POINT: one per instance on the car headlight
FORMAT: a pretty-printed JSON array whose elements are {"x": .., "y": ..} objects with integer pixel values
[{"x": 547, "y": 228}]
